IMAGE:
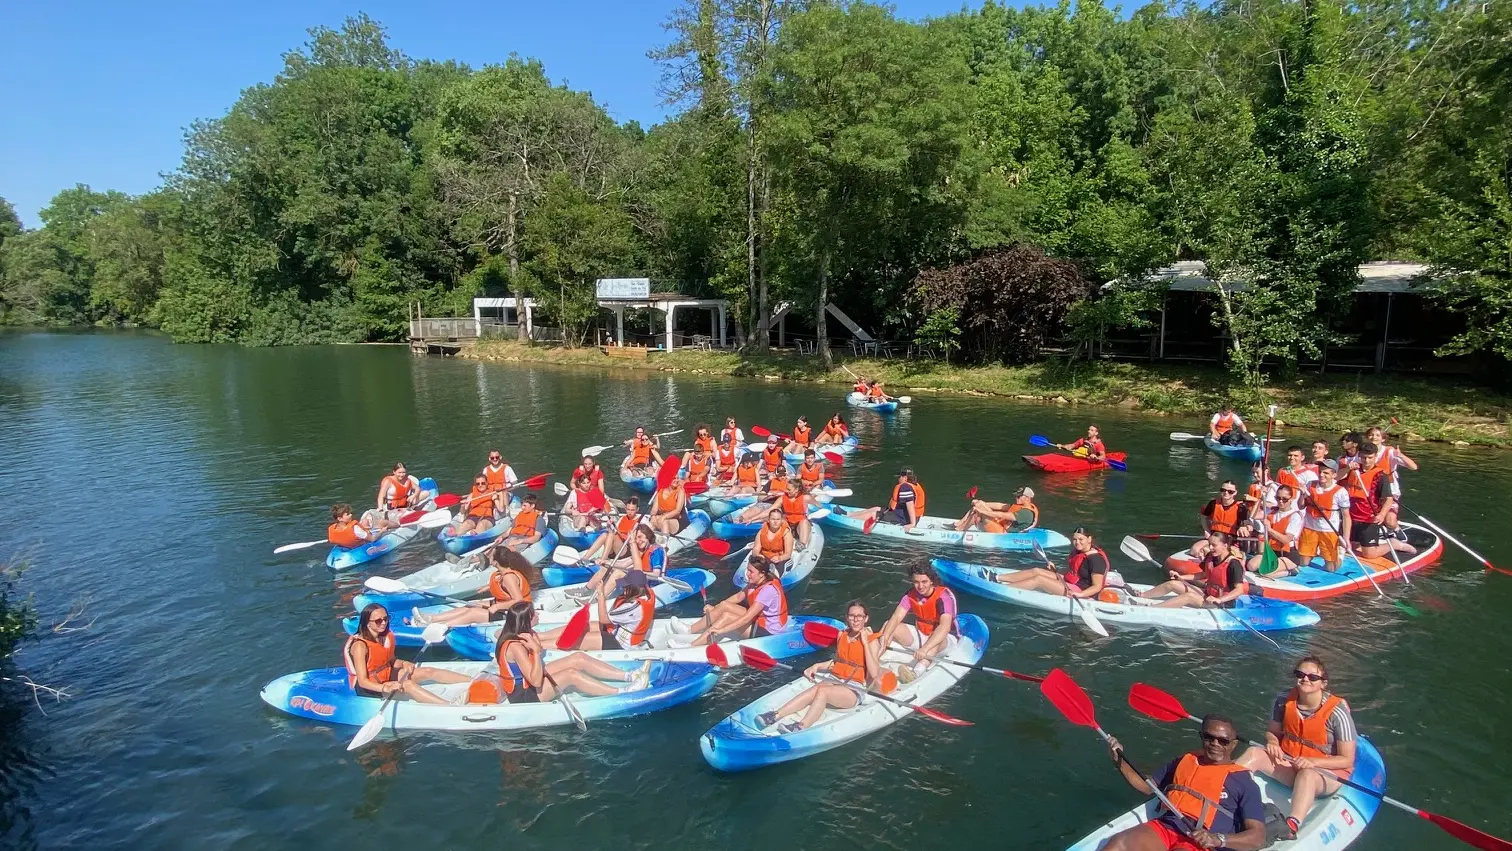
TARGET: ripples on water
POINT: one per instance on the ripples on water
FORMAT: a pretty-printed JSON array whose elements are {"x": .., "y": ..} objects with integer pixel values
[{"x": 202, "y": 459}]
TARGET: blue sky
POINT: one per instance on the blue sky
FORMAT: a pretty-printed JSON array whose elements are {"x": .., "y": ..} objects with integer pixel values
[{"x": 100, "y": 93}]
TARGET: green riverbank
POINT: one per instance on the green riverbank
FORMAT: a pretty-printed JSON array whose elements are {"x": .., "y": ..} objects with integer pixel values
[{"x": 1438, "y": 409}]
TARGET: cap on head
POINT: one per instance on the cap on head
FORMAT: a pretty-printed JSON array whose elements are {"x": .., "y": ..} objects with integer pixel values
[
  {"x": 1026, "y": 491},
  {"x": 633, "y": 579},
  {"x": 1329, "y": 464}
]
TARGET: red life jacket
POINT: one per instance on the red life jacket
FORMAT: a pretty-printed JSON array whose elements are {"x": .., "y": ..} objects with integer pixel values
[
  {"x": 1074, "y": 566},
  {"x": 1215, "y": 576},
  {"x": 590, "y": 500},
  {"x": 1363, "y": 504}
]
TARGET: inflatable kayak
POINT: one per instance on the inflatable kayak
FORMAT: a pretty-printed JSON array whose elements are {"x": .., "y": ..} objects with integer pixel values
[
  {"x": 323, "y": 695},
  {"x": 477, "y": 642},
  {"x": 1315, "y": 583},
  {"x": 343, "y": 558},
  {"x": 859, "y": 400},
  {"x": 941, "y": 530},
  {"x": 845, "y": 447},
  {"x": 1262, "y": 614},
  {"x": 644, "y": 484},
  {"x": 727, "y": 528},
  {"x": 802, "y": 563},
  {"x": 739, "y": 742},
  {"x": 698, "y": 524},
  {"x": 1060, "y": 462},
  {"x": 1253, "y": 452},
  {"x": 569, "y": 536},
  {"x": 553, "y": 605},
  {"x": 1333, "y": 822},
  {"x": 459, "y": 544}
]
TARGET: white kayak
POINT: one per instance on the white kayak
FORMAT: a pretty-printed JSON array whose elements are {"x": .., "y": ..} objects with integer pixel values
[
  {"x": 739, "y": 742},
  {"x": 801, "y": 564},
  {"x": 941, "y": 530},
  {"x": 477, "y": 642},
  {"x": 1332, "y": 823}
]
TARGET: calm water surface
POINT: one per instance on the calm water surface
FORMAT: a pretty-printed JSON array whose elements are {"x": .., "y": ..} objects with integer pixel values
[{"x": 150, "y": 482}]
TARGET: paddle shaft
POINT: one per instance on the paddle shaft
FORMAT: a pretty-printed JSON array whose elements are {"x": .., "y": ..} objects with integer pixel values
[
  {"x": 858, "y": 689},
  {"x": 383, "y": 707},
  {"x": 1456, "y": 541}
]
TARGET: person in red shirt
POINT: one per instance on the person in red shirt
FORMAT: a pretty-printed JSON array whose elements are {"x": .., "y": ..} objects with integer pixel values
[{"x": 1091, "y": 446}]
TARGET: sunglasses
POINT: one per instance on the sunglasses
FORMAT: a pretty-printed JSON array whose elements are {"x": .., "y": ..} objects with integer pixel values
[
  {"x": 1228, "y": 490},
  {"x": 1303, "y": 675},
  {"x": 1219, "y": 740},
  {"x": 378, "y": 620}
]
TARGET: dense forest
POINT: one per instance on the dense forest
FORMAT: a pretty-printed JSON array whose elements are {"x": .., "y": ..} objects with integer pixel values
[{"x": 957, "y": 180}]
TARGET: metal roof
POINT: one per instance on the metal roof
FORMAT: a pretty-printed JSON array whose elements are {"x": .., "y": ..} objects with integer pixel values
[{"x": 1380, "y": 276}]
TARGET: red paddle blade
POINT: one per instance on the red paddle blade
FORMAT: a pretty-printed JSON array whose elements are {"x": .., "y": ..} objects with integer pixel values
[
  {"x": 971, "y": 494},
  {"x": 714, "y": 546},
  {"x": 835, "y": 458},
  {"x": 760, "y": 431},
  {"x": 867, "y": 526},
  {"x": 696, "y": 487},
  {"x": 942, "y": 717},
  {"x": 668, "y": 471},
  {"x": 447, "y": 500},
  {"x": 1028, "y": 678},
  {"x": 1068, "y": 697},
  {"x": 535, "y": 483},
  {"x": 574, "y": 631},
  {"x": 820, "y": 634},
  {"x": 757, "y": 659},
  {"x": 1467, "y": 834},
  {"x": 1155, "y": 703},
  {"x": 716, "y": 656}
]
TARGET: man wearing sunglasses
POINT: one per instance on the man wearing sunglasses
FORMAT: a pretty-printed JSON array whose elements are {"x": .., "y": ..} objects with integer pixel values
[
  {"x": 1218, "y": 804},
  {"x": 1227, "y": 514}
]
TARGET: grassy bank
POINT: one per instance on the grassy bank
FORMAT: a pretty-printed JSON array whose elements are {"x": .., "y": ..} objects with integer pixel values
[{"x": 1437, "y": 409}]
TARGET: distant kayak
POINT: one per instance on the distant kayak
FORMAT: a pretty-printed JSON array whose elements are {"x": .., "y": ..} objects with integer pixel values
[
  {"x": 859, "y": 400},
  {"x": 1253, "y": 452},
  {"x": 698, "y": 524},
  {"x": 1060, "y": 462},
  {"x": 941, "y": 530},
  {"x": 644, "y": 484}
]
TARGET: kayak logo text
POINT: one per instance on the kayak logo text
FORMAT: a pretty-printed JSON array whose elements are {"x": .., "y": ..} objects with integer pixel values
[{"x": 299, "y": 701}]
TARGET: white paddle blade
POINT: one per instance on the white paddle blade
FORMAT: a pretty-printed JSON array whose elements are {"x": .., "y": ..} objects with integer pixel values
[
  {"x": 905, "y": 400},
  {"x": 434, "y": 633},
  {"x": 572, "y": 712},
  {"x": 837, "y": 492},
  {"x": 670, "y": 433},
  {"x": 385, "y": 585},
  {"x": 1090, "y": 619},
  {"x": 560, "y": 489},
  {"x": 1135, "y": 549},
  {"x": 368, "y": 731},
  {"x": 300, "y": 546},
  {"x": 592, "y": 451},
  {"x": 739, "y": 552},
  {"x": 1181, "y": 435},
  {"x": 820, "y": 514},
  {"x": 677, "y": 584},
  {"x": 434, "y": 520},
  {"x": 566, "y": 556}
]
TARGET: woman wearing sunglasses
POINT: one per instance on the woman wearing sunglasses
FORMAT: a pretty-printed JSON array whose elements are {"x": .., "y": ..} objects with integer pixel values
[
  {"x": 374, "y": 671},
  {"x": 1310, "y": 742}
]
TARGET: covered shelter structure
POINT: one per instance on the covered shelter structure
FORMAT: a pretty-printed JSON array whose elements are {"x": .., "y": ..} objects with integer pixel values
[
  {"x": 504, "y": 306},
  {"x": 618, "y": 295}
]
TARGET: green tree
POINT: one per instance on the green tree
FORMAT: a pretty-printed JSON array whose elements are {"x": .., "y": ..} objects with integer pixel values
[{"x": 573, "y": 240}]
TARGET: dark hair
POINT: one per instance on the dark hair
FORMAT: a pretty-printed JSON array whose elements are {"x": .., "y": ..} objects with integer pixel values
[
  {"x": 1351, "y": 437},
  {"x": 837, "y": 416},
  {"x": 854, "y": 603},
  {"x": 512, "y": 625},
  {"x": 1293, "y": 448},
  {"x": 924, "y": 568},
  {"x": 506, "y": 557},
  {"x": 1082, "y": 530},
  {"x": 633, "y": 500},
  {"x": 530, "y": 498},
  {"x": 339, "y": 509},
  {"x": 1318, "y": 441},
  {"x": 1316, "y": 660},
  {"x": 397, "y": 465},
  {"x": 647, "y": 530},
  {"x": 581, "y": 479},
  {"x": 1216, "y": 718},
  {"x": 701, "y": 427},
  {"x": 630, "y": 591},
  {"x": 498, "y": 452},
  {"x": 366, "y": 616},
  {"x": 763, "y": 564},
  {"x": 1230, "y": 482},
  {"x": 1367, "y": 448}
]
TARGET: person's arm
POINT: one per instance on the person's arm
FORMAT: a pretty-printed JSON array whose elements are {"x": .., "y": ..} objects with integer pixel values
[
  {"x": 359, "y": 653},
  {"x": 892, "y": 624},
  {"x": 1249, "y": 813},
  {"x": 530, "y": 664},
  {"x": 1098, "y": 581},
  {"x": 1384, "y": 497},
  {"x": 1130, "y": 776},
  {"x": 913, "y": 511},
  {"x": 1346, "y": 523},
  {"x": 1235, "y": 581},
  {"x": 602, "y": 599},
  {"x": 941, "y": 634},
  {"x": 514, "y": 593},
  {"x": 1213, "y": 427},
  {"x": 787, "y": 546},
  {"x": 383, "y": 489},
  {"x": 1406, "y": 462}
]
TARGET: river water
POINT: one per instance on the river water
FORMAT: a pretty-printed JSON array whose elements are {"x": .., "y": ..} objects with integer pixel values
[{"x": 148, "y": 483}]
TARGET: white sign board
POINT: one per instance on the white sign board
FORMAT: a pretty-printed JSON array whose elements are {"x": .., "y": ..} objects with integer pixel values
[{"x": 624, "y": 288}]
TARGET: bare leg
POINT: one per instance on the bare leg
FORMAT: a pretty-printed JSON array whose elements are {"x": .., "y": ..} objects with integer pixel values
[
  {"x": 585, "y": 664},
  {"x": 1172, "y": 586},
  {"x": 829, "y": 694},
  {"x": 574, "y": 680},
  {"x": 799, "y": 701}
]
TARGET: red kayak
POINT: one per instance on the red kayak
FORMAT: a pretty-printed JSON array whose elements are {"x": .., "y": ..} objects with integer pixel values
[{"x": 1057, "y": 462}]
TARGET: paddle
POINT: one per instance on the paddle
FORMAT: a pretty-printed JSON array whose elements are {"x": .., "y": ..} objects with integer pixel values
[
  {"x": 1043, "y": 441},
  {"x": 1153, "y": 536},
  {"x": 762, "y": 662},
  {"x": 367, "y": 732},
  {"x": 577, "y": 625},
  {"x": 1162, "y": 706},
  {"x": 695, "y": 488},
  {"x": 384, "y": 585},
  {"x": 1182, "y": 435},
  {"x": 1065, "y": 695},
  {"x": 1369, "y": 571},
  {"x": 592, "y": 451},
  {"x": 823, "y": 635},
  {"x": 1139, "y": 552},
  {"x": 433, "y": 520},
  {"x": 572, "y": 711},
  {"x": 1456, "y": 541},
  {"x": 716, "y": 547},
  {"x": 1083, "y": 610}
]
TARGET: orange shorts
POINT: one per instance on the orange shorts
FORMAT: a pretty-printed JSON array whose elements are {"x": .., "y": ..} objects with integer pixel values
[
  {"x": 1172, "y": 840},
  {"x": 1315, "y": 543}
]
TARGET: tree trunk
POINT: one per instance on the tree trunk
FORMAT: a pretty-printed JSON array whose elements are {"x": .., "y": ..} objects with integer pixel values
[
  {"x": 756, "y": 281},
  {"x": 821, "y": 327},
  {"x": 512, "y": 248}
]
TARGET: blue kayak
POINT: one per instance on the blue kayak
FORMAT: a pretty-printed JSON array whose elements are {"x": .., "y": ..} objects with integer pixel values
[
  {"x": 859, "y": 401},
  {"x": 459, "y": 544},
  {"x": 941, "y": 530},
  {"x": 644, "y": 484},
  {"x": 844, "y": 447},
  {"x": 1250, "y": 453},
  {"x": 477, "y": 642},
  {"x": 698, "y": 524},
  {"x": 799, "y": 566},
  {"x": 343, "y": 558}
]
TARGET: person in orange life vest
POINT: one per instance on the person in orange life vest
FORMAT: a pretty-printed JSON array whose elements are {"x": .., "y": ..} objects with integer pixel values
[
  {"x": 1283, "y": 527},
  {"x": 810, "y": 472},
  {"x": 669, "y": 508},
  {"x": 506, "y": 586},
  {"x": 1220, "y": 579},
  {"x": 857, "y": 662},
  {"x": 861, "y": 386},
  {"x": 498, "y": 472},
  {"x": 933, "y": 608},
  {"x": 529, "y": 523},
  {"x": 345, "y": 531},
  {"x": 478, "y": 509},
  {"x": 795, "y": 505},
  {"x": 726, "y": 459},
  {"x": 703, "y": 437},
  {"x": 834, "y": 431},
  {"x": 642, "y": 453},
  {"x": 398, "y": 494},
  {"x": 698, "y": 465},
  {"x": 772, "y": 456},
  {"x": 1372, "y": 509},
  {"x": 1226, "y": 513},
  {"x": 803, "y": 436},
  {"x": 733, "y": 432},
  {"x": 776, "y": 487},
  {"x": 875, "y": 393},
  {"x": 522, "y": 677},
  {"x": 1261, "y": 491},
  {"x": 774, "y": 540},
  {"x": 998, "y": 517},
  {"x": 612, "y": 549},
  {"x": 1297, "y": 474},
  {"x": 1310, "y": 742},
  {"x": 1391, "y": 458},
  {"x": 1224, "y": 422},
  {"x": 905, "y": 508},
  {"x": 1325, "y": 521},
  {"x": 1350, "y": 460},
  {"x": 760, "y": 608},
  {"x": 586, "y": 506},
  {"x": 1090, "y": 446},
  {"x": 748, "y": 474},
  {"x": 1319, "y": 455},
  {"x": 1218, "y": 802},
  {"x": 374, "y": 671},
  {"x": 1086, "y": 573},
  {"x": 623, "y": 622}
]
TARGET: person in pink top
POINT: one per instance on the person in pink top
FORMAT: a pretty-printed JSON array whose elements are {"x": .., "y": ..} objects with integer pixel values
[
  {"x": 761, "y": 608},
  {"x": 933, "y": 608}
]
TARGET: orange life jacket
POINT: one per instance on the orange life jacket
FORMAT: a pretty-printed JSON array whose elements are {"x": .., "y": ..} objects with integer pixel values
[
  {"x": 771, "y": 458},
  {"x": 1196, "y": 789},
  {"x": 1306, "y": 736},
  {"x": 645, "y": 559},
  {"x": 525, "y": 522},
  {"x": 801, "y": 434},
  {"x": 629, "y": 638},
  {"x": 496, "y": 585},
  {"x": 771, "y": 544},
  {"x": 704, "y": 443},
  {"x": 623, "y": 526},
  {"x": 811, "y": 475},
  {"x": 782, "y": 603},
  {"x": 1285, "y": 476},
  {"x": 1221, "y": 519},
  {"x": 1215, "y": 577},
  {"x": 928, "y": 612},
  {"x": 1316, "y": 495},
  {"x": 875, "y": 394},
  {"x": 918, "y": 490},
  {"x": 794, "y": 508},
  {"x": 835, "y": 430},
  {"x": 745, "y": 474},
  {"x": 380, "y": 659},
  {"x": 666, "y": 501},
  {"x": 345, "y": 534},
  {"x": 640, "y": 453},
  {"x": 850, "y": 658},
  {"x": 399, "y": 497},
  {"x": 730, "y": 433},
  {"x": 511, "y": 681},
  {"x": 777, "y": 483},
  {"x": 698, "y": 470},
  {"x": 481, "y": 503},
  {"x": 495, "y": 477},
  {"x": 1225, "y": 423},
  {"x": 726, "y": 459},
  {"x": 496, "y": 688}
]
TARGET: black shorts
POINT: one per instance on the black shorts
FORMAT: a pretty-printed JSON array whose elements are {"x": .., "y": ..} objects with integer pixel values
[
  {"x": 1367, "y": 534},
  {"x": 610, "y": 641},
  {"x": 367, "y": 692},
  {"x": 523, "y": 695},
  {"x": 897, "y": 515}
]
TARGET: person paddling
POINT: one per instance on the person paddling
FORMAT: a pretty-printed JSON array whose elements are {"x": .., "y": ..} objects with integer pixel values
[
  {"x": 1090, "y": 447},
  {"x": 906, "y": 506},
  {"x": 616, "y": 537},
  {"x": 1310, "y": 742},
  {"x": 1021, "y": 515},
  {"x": 726, "y": 459},
  {"x": 523, "y": 677},
  {"x": 857, "y": 661},
  {"x": 933, "y": 608},
  {"x": 1086, "y": 571},
  {"x": 478, "y": 509},
  {"x": 586, "y": 508},
  {"x": 776, "y": 487},
  {"x": 374, "y": 671},
  {"x": 810, "y": 472},
  {"x": 761, "y": 608},
  {"x": 1218, "y": 803},
  {"x": 347, "y": 533},
  {"x": 1224, "y": 424},
  {"x": 529, "y": 525},
  {"x": 506, "y": 586},
  {"x": 835, "y": 431},
  {"x": 1220, "y": 579},
  {"x": 398, "y": 493}
]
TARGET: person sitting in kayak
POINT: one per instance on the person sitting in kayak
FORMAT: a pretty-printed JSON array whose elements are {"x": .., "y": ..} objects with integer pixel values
[
  {"x": 1224, "y": 513},
  {"x": 616, "y": 538},
  {"x": 748, "y": 474},
  {"x": 698, "y": 466},
  {"x": 776, "y": 488},
  {"x": 775, "y": 540},
  {"x": 857, "y": 662},
  {"x": 803, "y": 437},
  {"x": 703, "y": 438},
  {"x": 1086, "y": 576},
  {"x": 1283, "y": 528},
  {"x": 669, "y": 508},
  {"x": 497, "y": 471},
  {"x": 1090, "y": 447},
  {"x": 876, "y": 394},
  {"x": 1021, "y": 515},
  {"x": 760, "y": 608},
  {"x": 1310, "y": 742},
  {"x": 726, "y": 459},
  {"x": 772, "y": 458},
  {"x": 810, "y": 472},
  {"x": 933, "y": 609},
  {"x": 506, "y": 586},
  {"x": 644, "y": 555},
  {"x": 733, "y": 432},
  {"x": 1223, "y": 424},
  {"x": 906, "y": 506},
  {"x": 586, "y": 506},
  {"x": 1372, "y": 509},
  {"x": 795, "y": 506},
  {"x": 478, "y": 509},
  {"x": 834, "y": 431},
  {"x": 1218, "y": 803},
  {"x": 529, "y": 525},
  {"x": 1220, "y": 579},
  {"x": 642, "y": 455},
  {"x": 522, "y": 678},
  {"x": 861, "y": 386},
  {"x": 623, "y": 623},
  {"x": 398, "y": 494},
  {"x": 347, "y": 533},
  {"x": 374, "y": 671}
]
